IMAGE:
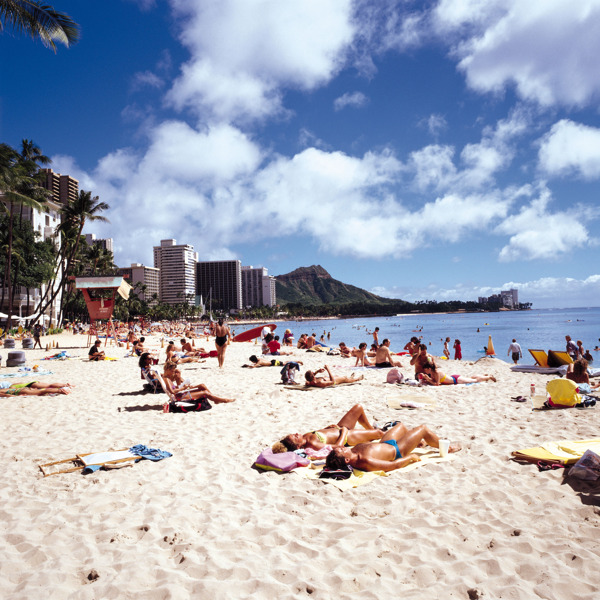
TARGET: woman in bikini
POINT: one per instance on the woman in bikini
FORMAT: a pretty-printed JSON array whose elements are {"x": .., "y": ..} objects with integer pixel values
[
  {"x": 222, "y": 334},
  {"x": 179, "y": 357},
  {"x": 182, "y": 391},
  {"x": 432, "y": 376},
  {"x": 322, "y": 382},
  {"x": 342, "y": 434},
  {"x": 35, "y": 388}
]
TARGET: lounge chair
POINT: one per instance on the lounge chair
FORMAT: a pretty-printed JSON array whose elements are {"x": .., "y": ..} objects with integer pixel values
[{"x": 81, "y": 461}]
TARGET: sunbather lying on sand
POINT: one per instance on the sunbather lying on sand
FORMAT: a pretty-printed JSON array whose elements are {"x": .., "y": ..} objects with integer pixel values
[
  {"x": 432, "y": 376},
  {"x": 181, "y": 391},
  {"x": 392, "y": 452},
  {"x": 263, "y": 362},
  {"x": 342, "y": 434},
  {"x": 323, "y": 382},
  {"x": 34, "y": 388}
]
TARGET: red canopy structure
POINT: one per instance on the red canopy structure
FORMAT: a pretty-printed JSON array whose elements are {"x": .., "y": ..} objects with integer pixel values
[{"x": 99, "y": 294}]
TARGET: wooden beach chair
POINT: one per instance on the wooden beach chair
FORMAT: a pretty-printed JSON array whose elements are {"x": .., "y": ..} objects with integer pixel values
[
  {"x": 556, "y": 358},
  {"x": 540, "y": 357},
  {"x": 81, "y": 461}
]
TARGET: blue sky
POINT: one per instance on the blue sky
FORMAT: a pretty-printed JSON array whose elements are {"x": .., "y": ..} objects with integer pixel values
[{"x": 420, "y": 150}]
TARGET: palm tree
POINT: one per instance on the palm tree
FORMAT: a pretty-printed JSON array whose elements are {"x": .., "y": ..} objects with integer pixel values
[
  {"x": 74, "y": 217},
  {"x": 19, "y": 186},
  {"x": 40, "y": 21}
]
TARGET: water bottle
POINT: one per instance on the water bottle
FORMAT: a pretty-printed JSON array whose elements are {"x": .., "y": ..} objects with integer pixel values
[{"x": 532, "y": 390}]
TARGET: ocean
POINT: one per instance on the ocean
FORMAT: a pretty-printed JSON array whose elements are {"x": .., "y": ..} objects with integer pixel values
[{"x": 543, "y": 329}]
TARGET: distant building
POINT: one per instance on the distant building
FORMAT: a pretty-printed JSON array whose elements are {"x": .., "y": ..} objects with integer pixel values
[
  {"x": 505, "y": 299},
  {"x": 144, "y": 276},
  {"x": 105, "y": 244},
  {"x": 64, "y": 188},
  {"x": 219, "y": 282},
  {"x": 258, "y": 287},
  {"x": 44, "y": 222},
  {"x": 177, "y": 266}
]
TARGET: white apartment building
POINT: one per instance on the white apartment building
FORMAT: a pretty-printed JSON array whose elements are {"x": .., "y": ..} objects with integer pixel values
[
  {"x": 177, "y": 271},
  {"x": 258, "y": 287},
  {"x": 145, "y": 276}
]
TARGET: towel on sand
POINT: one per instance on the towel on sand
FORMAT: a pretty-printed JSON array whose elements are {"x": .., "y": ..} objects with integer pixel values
[
  {"x": 565, "y": 452},
  {"x": 427, "y": 455}
]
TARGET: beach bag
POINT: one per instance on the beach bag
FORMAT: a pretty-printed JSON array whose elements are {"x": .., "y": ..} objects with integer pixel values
[
  {"x": 281, "y": 462},
  {"x": 563, "y": 393},
  {"x": 395, "y": 376},
  {"x": 288, "y": 373},
  {"x": 186, "y": 406},
  {"x": 587, "y": 467}
]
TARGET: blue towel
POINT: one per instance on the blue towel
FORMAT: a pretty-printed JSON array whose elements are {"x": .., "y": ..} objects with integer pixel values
[{"x": 149, "y": 453}]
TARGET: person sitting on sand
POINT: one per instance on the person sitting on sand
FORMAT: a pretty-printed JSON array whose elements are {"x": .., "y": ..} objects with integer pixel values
[
  {"x": 178, "y": 356},
  {"x": 95, "y": 353},
  {"x": 189, "y": 350},
  {"x": 361, "y": 356},
  {"x": 577, "y": 371},
  {"x": 274, "y": 348},
  {"x": 323, "y": 382},
  {"x": 311, "y": 340},
  {"x": 288, "y": 338},
  {"x": 342, "y": 434},
  {"x": 344, "y": 350},
  {"x": 393, "y": 451},
  {"x": 421, "y": 358},
  {"x": 182, "y": 391},
  {"x": 33, "y": 388},
  {"x": 432, "y": 376},
  {"x": 302, "y": 342},
  {"x": 383, "y": 357}
]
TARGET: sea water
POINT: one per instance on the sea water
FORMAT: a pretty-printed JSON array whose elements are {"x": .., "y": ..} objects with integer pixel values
[{"x": 543, "y": 329}]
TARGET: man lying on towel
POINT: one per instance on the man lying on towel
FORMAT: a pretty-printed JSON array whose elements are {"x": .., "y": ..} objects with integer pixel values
[
  {"x": 329, "y": 380},
  {"x": 392, "y": 452}
]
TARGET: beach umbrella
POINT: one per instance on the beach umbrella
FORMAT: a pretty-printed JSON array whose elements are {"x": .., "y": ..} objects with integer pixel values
[{"x": 490, "y": 347}]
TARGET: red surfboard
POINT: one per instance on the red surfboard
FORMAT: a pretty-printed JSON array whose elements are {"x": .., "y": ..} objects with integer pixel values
[{"x": 253, "y": 333}]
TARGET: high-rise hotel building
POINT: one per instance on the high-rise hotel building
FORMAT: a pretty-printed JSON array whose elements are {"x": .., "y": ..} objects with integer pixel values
[
  {"x": 219, "y": 282},
  {"x": 147, "y": 277},
  {"x": 258, "y": 287},
  {"x": 177, "y": 267},
  {"x": 64, "y": 188}
]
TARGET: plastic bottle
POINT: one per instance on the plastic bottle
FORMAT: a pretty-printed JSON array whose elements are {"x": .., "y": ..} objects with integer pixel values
[{"x": 532, "y": 390}]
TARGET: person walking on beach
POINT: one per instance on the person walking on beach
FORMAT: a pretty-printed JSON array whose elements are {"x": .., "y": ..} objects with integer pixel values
[
  {"x": 457, "y": 350},
  {"x": 515, "y": 350},
  {"x": 446, "y": 348},
  {"x": 37, "y": 331},
  {"x": 221, "y": 340}
]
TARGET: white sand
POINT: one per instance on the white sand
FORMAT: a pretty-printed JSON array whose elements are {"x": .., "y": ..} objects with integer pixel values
[{"x": 204, "y": 524}]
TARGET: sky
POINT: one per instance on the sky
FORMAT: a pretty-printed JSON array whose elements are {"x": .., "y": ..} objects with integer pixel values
[{"x": 439, "y": 150}]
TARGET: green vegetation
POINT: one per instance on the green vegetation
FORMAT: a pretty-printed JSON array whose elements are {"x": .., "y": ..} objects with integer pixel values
[
  {"x": 39, "y": 21},
  {"x": 311, "y": 292}
]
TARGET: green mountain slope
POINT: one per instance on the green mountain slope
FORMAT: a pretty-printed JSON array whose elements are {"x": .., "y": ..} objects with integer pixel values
[{"x": 314, "y": 285}]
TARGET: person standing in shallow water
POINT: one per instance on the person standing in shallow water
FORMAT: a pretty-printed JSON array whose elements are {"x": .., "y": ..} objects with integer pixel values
[
  {"x": 457, "y": 350},
  {"x": 515, "y": 350},
  {"x": 221, "y": 340}
]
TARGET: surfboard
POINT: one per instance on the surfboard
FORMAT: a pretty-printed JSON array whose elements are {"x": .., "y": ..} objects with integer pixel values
[{"x": 253, "y": 333}]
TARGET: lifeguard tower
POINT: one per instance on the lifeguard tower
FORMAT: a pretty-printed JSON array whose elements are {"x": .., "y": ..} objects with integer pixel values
[{"x": 99, "y": 294}]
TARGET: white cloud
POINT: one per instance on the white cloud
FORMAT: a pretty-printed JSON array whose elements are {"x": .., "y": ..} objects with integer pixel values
[
  {"x": 354, "y": 100},
  {"x": 146, "y": 79},
  {"x": 545, "y": 48},
  {"x": 571, "y": 148},
  {"x": 242, "y": 52},
  {"x": 538, "y": 234},
  {"x": 546, "y": 292},
  {"x": 435, "y": 124}
]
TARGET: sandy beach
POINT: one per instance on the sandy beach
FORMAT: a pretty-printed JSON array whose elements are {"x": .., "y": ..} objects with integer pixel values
[{"x": 204, "y": 524}]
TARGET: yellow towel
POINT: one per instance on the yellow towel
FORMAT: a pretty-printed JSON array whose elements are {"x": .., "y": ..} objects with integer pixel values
[{"x": 427, "y": 455}]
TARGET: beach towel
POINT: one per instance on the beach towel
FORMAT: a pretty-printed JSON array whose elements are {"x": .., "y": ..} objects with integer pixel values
[
  {"x": 564, "y": 452},
  {"x": 563, "y": 393},
  {"x": 27, "y": 373},
  {"x": 427, "y": 456},
  {"x": 281, "y": 462}
]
